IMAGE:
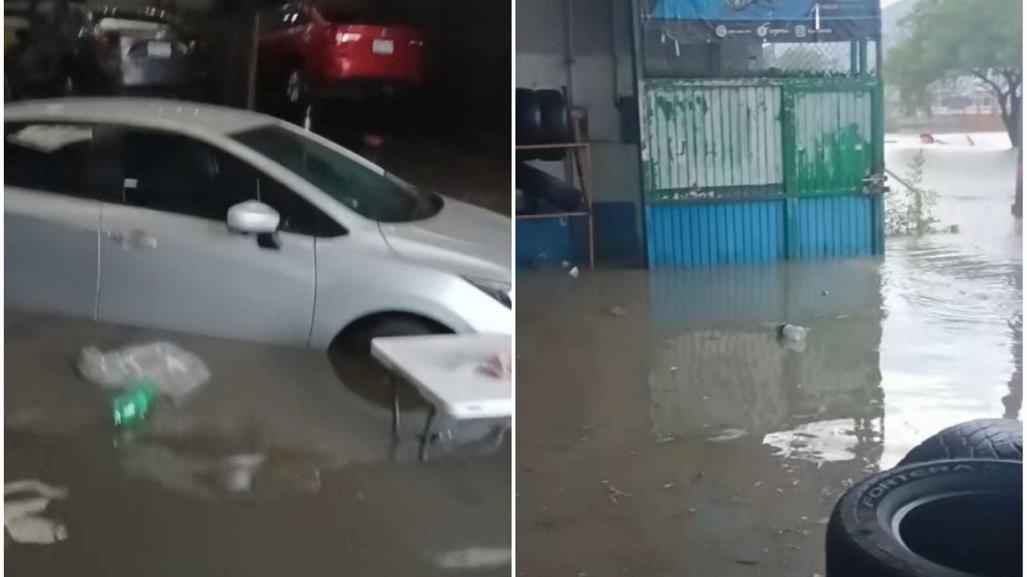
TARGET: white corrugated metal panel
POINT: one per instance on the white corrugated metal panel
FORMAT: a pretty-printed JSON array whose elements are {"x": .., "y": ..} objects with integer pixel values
[{"x": 703, "y": 135}]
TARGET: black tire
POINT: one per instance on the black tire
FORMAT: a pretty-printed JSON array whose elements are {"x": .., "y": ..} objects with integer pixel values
[
  {"x": 540, "y": 186},
  {"x": 980, "y": 439},
  {"x": 556, "y": 125},
  {"x": 528, "y": 121},
  {"x": 958, "y": 518}
]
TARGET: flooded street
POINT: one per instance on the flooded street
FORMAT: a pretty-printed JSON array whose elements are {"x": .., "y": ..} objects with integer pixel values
[
  {"x": 271, "y": 468},
  {"x": 282, "y": 464},
  {"x": 664, "y": 428}
]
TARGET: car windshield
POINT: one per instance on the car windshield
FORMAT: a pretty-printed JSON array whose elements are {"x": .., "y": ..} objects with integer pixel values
[{"x": 377, "y": 196}]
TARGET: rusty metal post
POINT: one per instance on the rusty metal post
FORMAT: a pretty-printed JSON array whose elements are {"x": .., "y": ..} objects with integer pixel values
[{"x": 251, "y": 77}]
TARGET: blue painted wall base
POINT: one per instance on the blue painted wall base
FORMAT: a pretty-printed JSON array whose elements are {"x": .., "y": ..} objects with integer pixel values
[
  {"x": 550, "y": 241},
  {"x": 617, "y": 239},
  {"x": 707, "y": 234}
]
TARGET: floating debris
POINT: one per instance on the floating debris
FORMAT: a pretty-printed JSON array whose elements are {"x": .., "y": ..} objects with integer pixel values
[
  {"x": 615, "y": 493},
  {"x": 727, "y": 435},
  {"x": 792, "y": 337},
  {"x": 618, "y": 311},
  {"x": 24, "y": 502}
]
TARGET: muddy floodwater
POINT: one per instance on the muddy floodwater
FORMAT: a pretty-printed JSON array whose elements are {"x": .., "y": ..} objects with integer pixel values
[
  {"x": 276, "y": 466},
  {"x": 664, "y": 428}
]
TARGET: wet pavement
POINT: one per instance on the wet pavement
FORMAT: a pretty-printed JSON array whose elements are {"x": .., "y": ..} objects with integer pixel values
[
  {"x": 664, "y": 429},
  {"x": 273, "y": 467}
]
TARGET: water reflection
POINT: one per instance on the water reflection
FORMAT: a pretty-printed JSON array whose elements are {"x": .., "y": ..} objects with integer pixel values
[
  {"x": 680, "y": 437},
  {"x": 951, "y": 349},
  {"x": 723, "y": 365},
  {"x": 216, "y": 468}
]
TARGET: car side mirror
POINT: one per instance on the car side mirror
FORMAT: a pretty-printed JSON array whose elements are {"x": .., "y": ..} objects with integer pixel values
[{"x": 253, "y": 217}]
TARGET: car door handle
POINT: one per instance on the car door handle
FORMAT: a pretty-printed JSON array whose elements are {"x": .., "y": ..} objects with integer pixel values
[{"x": 136, "y": 239}]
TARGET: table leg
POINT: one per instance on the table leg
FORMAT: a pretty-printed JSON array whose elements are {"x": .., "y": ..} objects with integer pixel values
[
  {"x": 395, "y": 408},
  {"x": 428, "y": 435},
  {"x": 500, "y": 437}
]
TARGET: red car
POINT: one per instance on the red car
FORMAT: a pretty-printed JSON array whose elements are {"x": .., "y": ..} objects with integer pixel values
[{"x": 312, "y": 50}]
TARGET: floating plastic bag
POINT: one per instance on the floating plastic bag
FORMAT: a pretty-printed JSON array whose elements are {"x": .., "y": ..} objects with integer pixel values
[{"x": 175, "y": 371}]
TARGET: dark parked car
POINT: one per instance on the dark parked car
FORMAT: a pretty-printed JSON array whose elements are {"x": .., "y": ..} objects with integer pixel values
[
  {"x": 42, "y": 47},
  {"x": 64, "y": 48},
  {"x": 315, "y": 50},
  {"x": 141, "y": 50}
]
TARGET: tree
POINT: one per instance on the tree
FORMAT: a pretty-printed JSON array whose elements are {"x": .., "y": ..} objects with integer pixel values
[{"x": 952, "y": 38}]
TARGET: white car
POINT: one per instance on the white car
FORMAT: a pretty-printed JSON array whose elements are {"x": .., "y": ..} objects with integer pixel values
[{"x": 224, "y": 222}]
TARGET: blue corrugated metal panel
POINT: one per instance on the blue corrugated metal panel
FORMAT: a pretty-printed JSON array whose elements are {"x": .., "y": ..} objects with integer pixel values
[
  {"x": 694, "y": 234},
  {"x": 836, "y": 226}
]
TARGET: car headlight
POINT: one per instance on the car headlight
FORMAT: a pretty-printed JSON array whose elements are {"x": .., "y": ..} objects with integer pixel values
[{"x": 495, "y": 289}]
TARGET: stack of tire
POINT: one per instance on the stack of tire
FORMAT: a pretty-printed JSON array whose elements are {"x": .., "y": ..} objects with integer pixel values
[
  {"x": 952, "y": 508},
  {"x": 542, "y": 118}
]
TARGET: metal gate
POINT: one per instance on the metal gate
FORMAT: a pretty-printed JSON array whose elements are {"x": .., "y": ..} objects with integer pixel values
[{"x": 756, "y": 170}]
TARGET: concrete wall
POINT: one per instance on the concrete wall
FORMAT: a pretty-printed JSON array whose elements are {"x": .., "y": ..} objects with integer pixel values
[{"x": 593, "y": 76}]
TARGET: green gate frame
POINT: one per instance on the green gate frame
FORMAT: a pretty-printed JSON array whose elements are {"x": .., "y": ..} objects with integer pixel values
[{"x": 862, "y": 81}]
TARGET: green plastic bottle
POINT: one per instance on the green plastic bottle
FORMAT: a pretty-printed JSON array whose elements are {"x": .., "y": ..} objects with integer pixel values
[{"x": 133, "y": 405}]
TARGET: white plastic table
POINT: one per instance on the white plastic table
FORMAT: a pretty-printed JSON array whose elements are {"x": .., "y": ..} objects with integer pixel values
[{"x": 446, "y": 370}]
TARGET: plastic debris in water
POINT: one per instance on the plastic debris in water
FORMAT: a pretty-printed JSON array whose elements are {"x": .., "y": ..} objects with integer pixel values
[
  {"x": 172, "y": 370},
  {"x": 618, "y": 311},
  {"x": 727, "y": 435},
  {"x": 792, "y": 337},
  {"x": 25, "y": 502},
  {"x": 574, "y": 272},
  {"x": 787, "y": 332},
  {"x": 133, "y": 406}
]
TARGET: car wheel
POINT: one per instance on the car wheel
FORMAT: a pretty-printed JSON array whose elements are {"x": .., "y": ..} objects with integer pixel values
[
  {"x": 350, "y": 354},
  {"x": 397, "y": 326},
  {"x": 958, "y": 518},
  {"x": 980, "y": 439}
]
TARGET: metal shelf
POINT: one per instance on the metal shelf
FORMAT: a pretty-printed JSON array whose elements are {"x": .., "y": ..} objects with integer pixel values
[{"x": 582, "y": 152}]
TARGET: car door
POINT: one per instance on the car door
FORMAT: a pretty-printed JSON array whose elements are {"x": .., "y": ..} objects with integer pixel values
[
  {"x": 169, "y": 261},
  {"x": 51, "y": 218}
]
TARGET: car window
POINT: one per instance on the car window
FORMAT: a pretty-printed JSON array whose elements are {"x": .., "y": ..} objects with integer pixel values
[
  {"x": 49, "y": 157},
  {"x": 176, "y": 173},
  {"x": 356, "y": 12},
  {"x": 375, "y": 196}
]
